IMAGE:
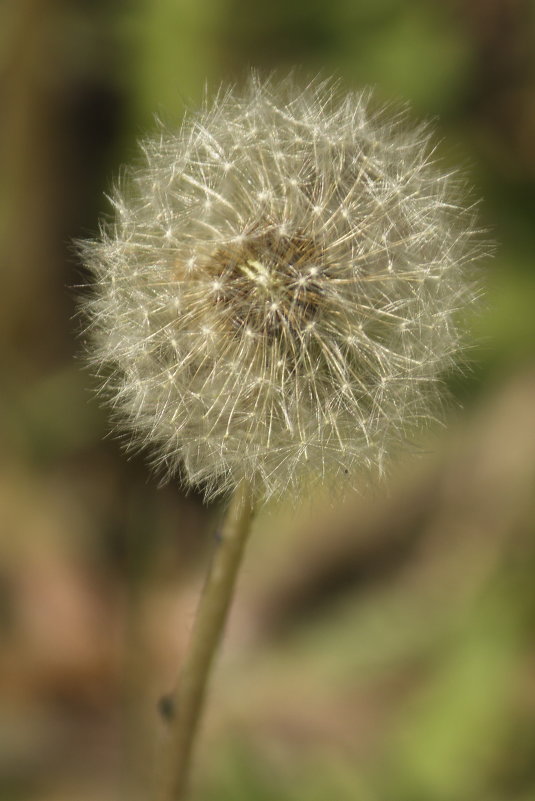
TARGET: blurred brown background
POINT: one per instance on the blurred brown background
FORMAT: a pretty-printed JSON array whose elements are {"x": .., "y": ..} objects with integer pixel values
[{"x": 384, "y": 651}]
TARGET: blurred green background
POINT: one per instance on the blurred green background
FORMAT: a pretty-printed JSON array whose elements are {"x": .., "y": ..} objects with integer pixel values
[{"x": 382, "y": 651}]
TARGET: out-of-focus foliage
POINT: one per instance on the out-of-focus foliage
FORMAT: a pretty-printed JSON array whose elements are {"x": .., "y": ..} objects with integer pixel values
[{"x": 381, "y": 651}]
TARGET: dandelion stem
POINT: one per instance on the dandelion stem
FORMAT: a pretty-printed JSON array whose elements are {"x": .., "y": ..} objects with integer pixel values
[{"x": 207, "y": 632}]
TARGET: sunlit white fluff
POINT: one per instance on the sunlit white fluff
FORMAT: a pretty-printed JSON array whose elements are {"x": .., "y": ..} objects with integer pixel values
[{"x": 278, "y": 293}]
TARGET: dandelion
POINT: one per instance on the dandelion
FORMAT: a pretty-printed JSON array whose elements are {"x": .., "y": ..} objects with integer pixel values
[
  {"x": 277, "y": 296},
  {"x": 276, "y": 301}
]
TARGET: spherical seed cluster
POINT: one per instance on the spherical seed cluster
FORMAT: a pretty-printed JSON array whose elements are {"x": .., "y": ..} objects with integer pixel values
[{"x": 277, "y": 295}]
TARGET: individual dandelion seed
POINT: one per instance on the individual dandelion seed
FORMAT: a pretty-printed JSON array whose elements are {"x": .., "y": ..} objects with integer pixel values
[
  {"x": 278, "y": 293},
  {"x": 276, "y": 301}
]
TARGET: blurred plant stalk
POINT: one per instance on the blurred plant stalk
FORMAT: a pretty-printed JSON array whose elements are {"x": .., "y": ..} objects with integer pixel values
[{"x": 206, "y": 636}]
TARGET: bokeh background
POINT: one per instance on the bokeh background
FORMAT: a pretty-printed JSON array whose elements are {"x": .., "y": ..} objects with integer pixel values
[{"x": 380, "y": 651}]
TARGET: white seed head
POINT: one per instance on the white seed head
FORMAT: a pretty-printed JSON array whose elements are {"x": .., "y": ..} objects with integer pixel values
[{"x": 277, "y": 296}]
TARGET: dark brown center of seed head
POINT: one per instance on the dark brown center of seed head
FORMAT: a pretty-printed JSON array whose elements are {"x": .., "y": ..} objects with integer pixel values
[{"x": 269, "y": 283}]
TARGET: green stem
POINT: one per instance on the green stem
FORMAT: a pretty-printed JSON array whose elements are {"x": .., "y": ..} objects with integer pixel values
[{"x": 206, "y": 635}]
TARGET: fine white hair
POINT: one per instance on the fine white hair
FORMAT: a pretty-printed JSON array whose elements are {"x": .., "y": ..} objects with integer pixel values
[{"x": 277, "y": 296}]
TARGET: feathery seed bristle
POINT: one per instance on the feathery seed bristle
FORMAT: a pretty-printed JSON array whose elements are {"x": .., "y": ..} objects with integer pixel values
[{"x": 278, "y": 294}]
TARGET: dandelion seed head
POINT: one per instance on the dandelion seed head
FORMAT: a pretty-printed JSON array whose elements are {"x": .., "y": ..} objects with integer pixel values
[{"x": 278, "y": 294}]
